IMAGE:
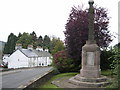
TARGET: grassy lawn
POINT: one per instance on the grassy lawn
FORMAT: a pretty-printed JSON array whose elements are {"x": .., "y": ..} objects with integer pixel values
[
  {"x": 106, "y": 72},
  {"x": 49, "y": 85}
]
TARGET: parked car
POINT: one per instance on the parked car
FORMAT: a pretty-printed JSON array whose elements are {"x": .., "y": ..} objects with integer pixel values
[{"x": 4, "y": 65}]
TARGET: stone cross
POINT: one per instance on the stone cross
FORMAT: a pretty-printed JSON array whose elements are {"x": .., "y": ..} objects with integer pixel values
[
  {"x": 91, "y": 22},
  {"x": 90, "y": 73},
  {"x": 90, "y": 51}
]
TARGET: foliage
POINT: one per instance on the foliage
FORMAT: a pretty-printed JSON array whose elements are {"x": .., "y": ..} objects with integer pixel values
[
  {"x": 10, "y": 45},
  {"x": 56, "y": 45},
  {"x": 19, "y": 35},
  {"x": 77, "y": 31},
  {"x": 106, "y": 72},
  {"x": 116, "y": 66},
  {"x": 105, "y": 60},
  {"x": 40, "y": 41},
  {"x": 25, "y": 39},
  {"x": 62, "y": 62},
  {"x": 34, "y": 39},
  {"x": 46, "y": 42}
]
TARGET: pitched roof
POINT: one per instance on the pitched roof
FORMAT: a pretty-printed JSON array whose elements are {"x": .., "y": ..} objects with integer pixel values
[
  {"x": 28, "y": 53},
  {"x": 35, "y": 53},
  {"x": 42, "y": 53}
]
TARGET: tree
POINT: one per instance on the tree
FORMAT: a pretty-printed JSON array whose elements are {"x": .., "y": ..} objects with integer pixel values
[
  {"x": 56, "y": 45},
  {"x": 40, "y": 41},
  {"x": 19, "y": 35},
  {"x": 115, "y": 67},
  {"x": 25, "y": 40},
  {"x": 46, "y": 42},
  {"x": 10, "y": 45},
  {"x": 77, "y": 31},
  {"x": 62, "y": 62},
  {"x": 34, "y": 36},
  {"x": 34, "y": 39}
]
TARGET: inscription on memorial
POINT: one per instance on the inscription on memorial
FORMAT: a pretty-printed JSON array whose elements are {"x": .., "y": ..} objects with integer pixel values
[{"x": 90, "y": 58}]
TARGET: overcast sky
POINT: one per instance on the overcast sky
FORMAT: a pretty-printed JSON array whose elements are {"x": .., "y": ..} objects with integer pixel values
[{"x": 46, "y": 17}]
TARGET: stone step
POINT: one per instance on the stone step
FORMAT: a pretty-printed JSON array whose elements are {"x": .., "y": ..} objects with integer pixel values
[
  {"x": 83, "y": 79},
  {"x": 87, "y": 84}
]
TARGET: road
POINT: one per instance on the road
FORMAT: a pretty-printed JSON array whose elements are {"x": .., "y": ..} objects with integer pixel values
[{"x": 21, "y": 77}]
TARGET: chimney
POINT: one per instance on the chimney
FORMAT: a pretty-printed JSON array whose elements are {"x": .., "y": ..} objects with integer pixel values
[
  {"x": 39, "y": 48},
  {"x": 30, "y": 47},
  {"x": 46, "y": 50},
  {"x": 18, "y": 46}
]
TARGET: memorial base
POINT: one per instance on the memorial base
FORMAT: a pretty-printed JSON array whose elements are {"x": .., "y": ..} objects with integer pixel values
[
  {"x": 90, "y": 73},
  {"x": 88, "y": 82}
]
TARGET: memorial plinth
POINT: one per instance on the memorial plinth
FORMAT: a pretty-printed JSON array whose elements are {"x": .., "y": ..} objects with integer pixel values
[
  {"x": 90, "y": 73},
  {"x": 90, "y": 61}
]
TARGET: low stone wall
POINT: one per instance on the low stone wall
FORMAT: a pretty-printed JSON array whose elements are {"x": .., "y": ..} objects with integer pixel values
[{"x": 39, "y": 81}]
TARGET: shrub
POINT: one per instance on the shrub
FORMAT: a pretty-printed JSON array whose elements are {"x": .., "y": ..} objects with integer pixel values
[
  {"x": 105, "y": 60},
  {"x": 62, "y": 62},
  {"x": 115, "y": 66}
]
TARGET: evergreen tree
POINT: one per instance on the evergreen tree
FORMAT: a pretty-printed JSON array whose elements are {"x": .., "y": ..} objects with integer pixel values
[
  {"x": 19, "y": 35},
  {"x": 34, "y": 39},
  {"x": 34, "y": 36},
  {"x": 10, "y": 45},
  {"x": 40, "y": 41},
  {"x": 46, "y": 42}
]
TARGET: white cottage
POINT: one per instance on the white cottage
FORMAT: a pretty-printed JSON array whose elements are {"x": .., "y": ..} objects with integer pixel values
[{"x": 29, "y": 57}]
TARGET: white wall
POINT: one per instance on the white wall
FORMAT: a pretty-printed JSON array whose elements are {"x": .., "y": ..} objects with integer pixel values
[
  {"x": 17, "y": 60},
  {"x": 49, "y": 61}
]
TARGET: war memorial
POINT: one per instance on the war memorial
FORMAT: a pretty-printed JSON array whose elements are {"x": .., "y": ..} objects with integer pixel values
[{"x": 90, "y": 73}]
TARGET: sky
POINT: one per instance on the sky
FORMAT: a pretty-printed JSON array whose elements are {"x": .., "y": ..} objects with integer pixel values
[{"x": 47, "y": 17}]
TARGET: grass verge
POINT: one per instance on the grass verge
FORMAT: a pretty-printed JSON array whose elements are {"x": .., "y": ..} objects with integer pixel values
[
  {"x": 106, "y": 72},
  {"x": 48, "y": 83}
]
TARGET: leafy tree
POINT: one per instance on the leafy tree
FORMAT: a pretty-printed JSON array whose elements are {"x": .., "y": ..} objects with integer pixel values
[
  {"x": 53, "y": 43},
  {"x": 46, "y": 42},
  {"x": 25, "y": 40},
  {"x": 77, "y": 31},
  {"x": 56, "y": 45},
  {"x": 10, "y": 45}
]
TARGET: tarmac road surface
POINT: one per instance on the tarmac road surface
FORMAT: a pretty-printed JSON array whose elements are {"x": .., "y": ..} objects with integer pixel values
[{"x": 21, "y": 77}]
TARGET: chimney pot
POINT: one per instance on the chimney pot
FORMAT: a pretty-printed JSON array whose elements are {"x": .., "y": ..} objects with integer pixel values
[
  {"x": 18, "y": 46},
  {"x": 39, "y": 48},
  {"x": 30, "y": 47}
]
